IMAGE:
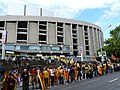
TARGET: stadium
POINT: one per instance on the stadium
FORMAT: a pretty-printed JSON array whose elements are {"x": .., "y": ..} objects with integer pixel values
[{"x": 48, "y": 35}]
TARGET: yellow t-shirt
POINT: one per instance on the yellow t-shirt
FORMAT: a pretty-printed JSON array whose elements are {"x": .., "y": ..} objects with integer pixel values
[{"x": 46, "y": 74}]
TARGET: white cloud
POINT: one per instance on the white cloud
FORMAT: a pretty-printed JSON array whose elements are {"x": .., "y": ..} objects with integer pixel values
[
  {"x": 73, "y": 8},
  {"x": 109, "y": 14},
  {"x": 114, "y": 11},
  {"x": 2, "y": 8},
  {"x": 65, "y": 8}
]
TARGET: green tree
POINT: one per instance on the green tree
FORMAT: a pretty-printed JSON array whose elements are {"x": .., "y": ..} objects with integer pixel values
[{"x": 113, "y": 43}]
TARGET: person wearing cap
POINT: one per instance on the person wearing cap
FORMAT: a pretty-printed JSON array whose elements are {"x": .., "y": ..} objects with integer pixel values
[{"x": 25, "y": 77}]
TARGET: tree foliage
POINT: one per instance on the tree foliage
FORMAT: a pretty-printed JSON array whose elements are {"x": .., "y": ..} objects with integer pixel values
[{"x": 113, "y": 43}]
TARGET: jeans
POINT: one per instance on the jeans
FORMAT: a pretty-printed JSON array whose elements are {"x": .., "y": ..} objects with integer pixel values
[
  {"x": 52, "y": 80},
  {"x": 72, "y": 78},
  {"x": 26, "y": 85}
]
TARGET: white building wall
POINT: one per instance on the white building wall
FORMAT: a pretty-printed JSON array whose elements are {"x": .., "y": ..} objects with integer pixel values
[
  {"x": 68, "y": 34},
  {"x": 27, "y": 10},
  {"x": 11, "y": 29},
  {"x": 33, "y": 32},
  {"x": 32, "y": 11},
  {"x": 15, "y": 9},
  {"x": 51, "y": 32},
  {"x": 45, "y": 12}
]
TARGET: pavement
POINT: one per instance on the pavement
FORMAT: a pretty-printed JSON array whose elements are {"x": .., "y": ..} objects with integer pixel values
[{"x": 105, "y": 82}]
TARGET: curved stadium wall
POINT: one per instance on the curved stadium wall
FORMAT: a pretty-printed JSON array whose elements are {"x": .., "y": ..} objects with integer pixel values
[{"x": 50, "y": 35}]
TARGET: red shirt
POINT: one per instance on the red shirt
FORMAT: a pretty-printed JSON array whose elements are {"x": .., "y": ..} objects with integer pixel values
[{"x": 33, "y": 72}]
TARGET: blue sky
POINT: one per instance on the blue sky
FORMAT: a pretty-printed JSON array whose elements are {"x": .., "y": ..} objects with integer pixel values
[
  {"x": 93, "y": 16},
  {"x": 100, "y": 12},
  {"x": 90, "y": 15}
]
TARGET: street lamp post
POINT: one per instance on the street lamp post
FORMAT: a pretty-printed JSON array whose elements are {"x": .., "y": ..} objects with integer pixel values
[{"x": 102, "y": 57}]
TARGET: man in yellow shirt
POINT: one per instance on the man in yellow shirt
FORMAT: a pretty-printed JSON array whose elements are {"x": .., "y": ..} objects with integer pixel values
[{"x": 45, "y": 75}]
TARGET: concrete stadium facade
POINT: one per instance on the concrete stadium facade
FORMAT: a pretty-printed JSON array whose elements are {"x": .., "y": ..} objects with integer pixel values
[{"x": 50, "y": 35}]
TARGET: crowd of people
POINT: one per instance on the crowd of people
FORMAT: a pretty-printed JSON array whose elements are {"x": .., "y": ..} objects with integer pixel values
[{"x": 46, "y": 77}]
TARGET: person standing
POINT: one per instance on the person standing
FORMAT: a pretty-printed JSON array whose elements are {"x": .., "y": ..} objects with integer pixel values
[
  {"x": 11, "y": 81},
  {"x": 40, "y": 80},
  {"x": 75, "y": 73},
  {"x": 79, "y": 75},
  {"x": 83, "y": 71},
  {"x": 62, "y": 75},
  {"x": 56, "y": 76},
  {"x": 25, "y": 77},
  {"x": 87, "y": 71},
  {"x": 66, "y": 76},
  {"x": 33, "y": 78},
  {"x": 95, "y": 70},
  {"x": 4, "y": 81},
  {"x": 52, "y": 76},
  {"x": 71, "y": 74},
  {"x": 1, "y": 67},
  {"x": 46, "y": 75}
]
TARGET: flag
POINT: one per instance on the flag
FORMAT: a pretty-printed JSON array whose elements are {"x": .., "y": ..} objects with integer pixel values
[
  {"x": 113, "y": 57},
  {"x": 4, "y": 37},
  {"x": 40, "y": 76}
]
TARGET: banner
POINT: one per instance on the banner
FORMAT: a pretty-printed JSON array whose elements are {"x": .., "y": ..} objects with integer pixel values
[{"x": 4, "y": 37}]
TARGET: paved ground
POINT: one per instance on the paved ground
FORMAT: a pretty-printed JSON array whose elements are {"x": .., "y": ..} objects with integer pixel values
[{"x": 106, "y": 82}]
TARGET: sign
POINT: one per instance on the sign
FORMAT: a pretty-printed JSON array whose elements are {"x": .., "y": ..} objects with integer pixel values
[
  {"x": 81, "y": 50},
  {"x": 39, "y": 55},
  {"x": 103, "y": 53},
  {"x": 4, "y": 37},
  {"x": 10, "y": 52}
]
